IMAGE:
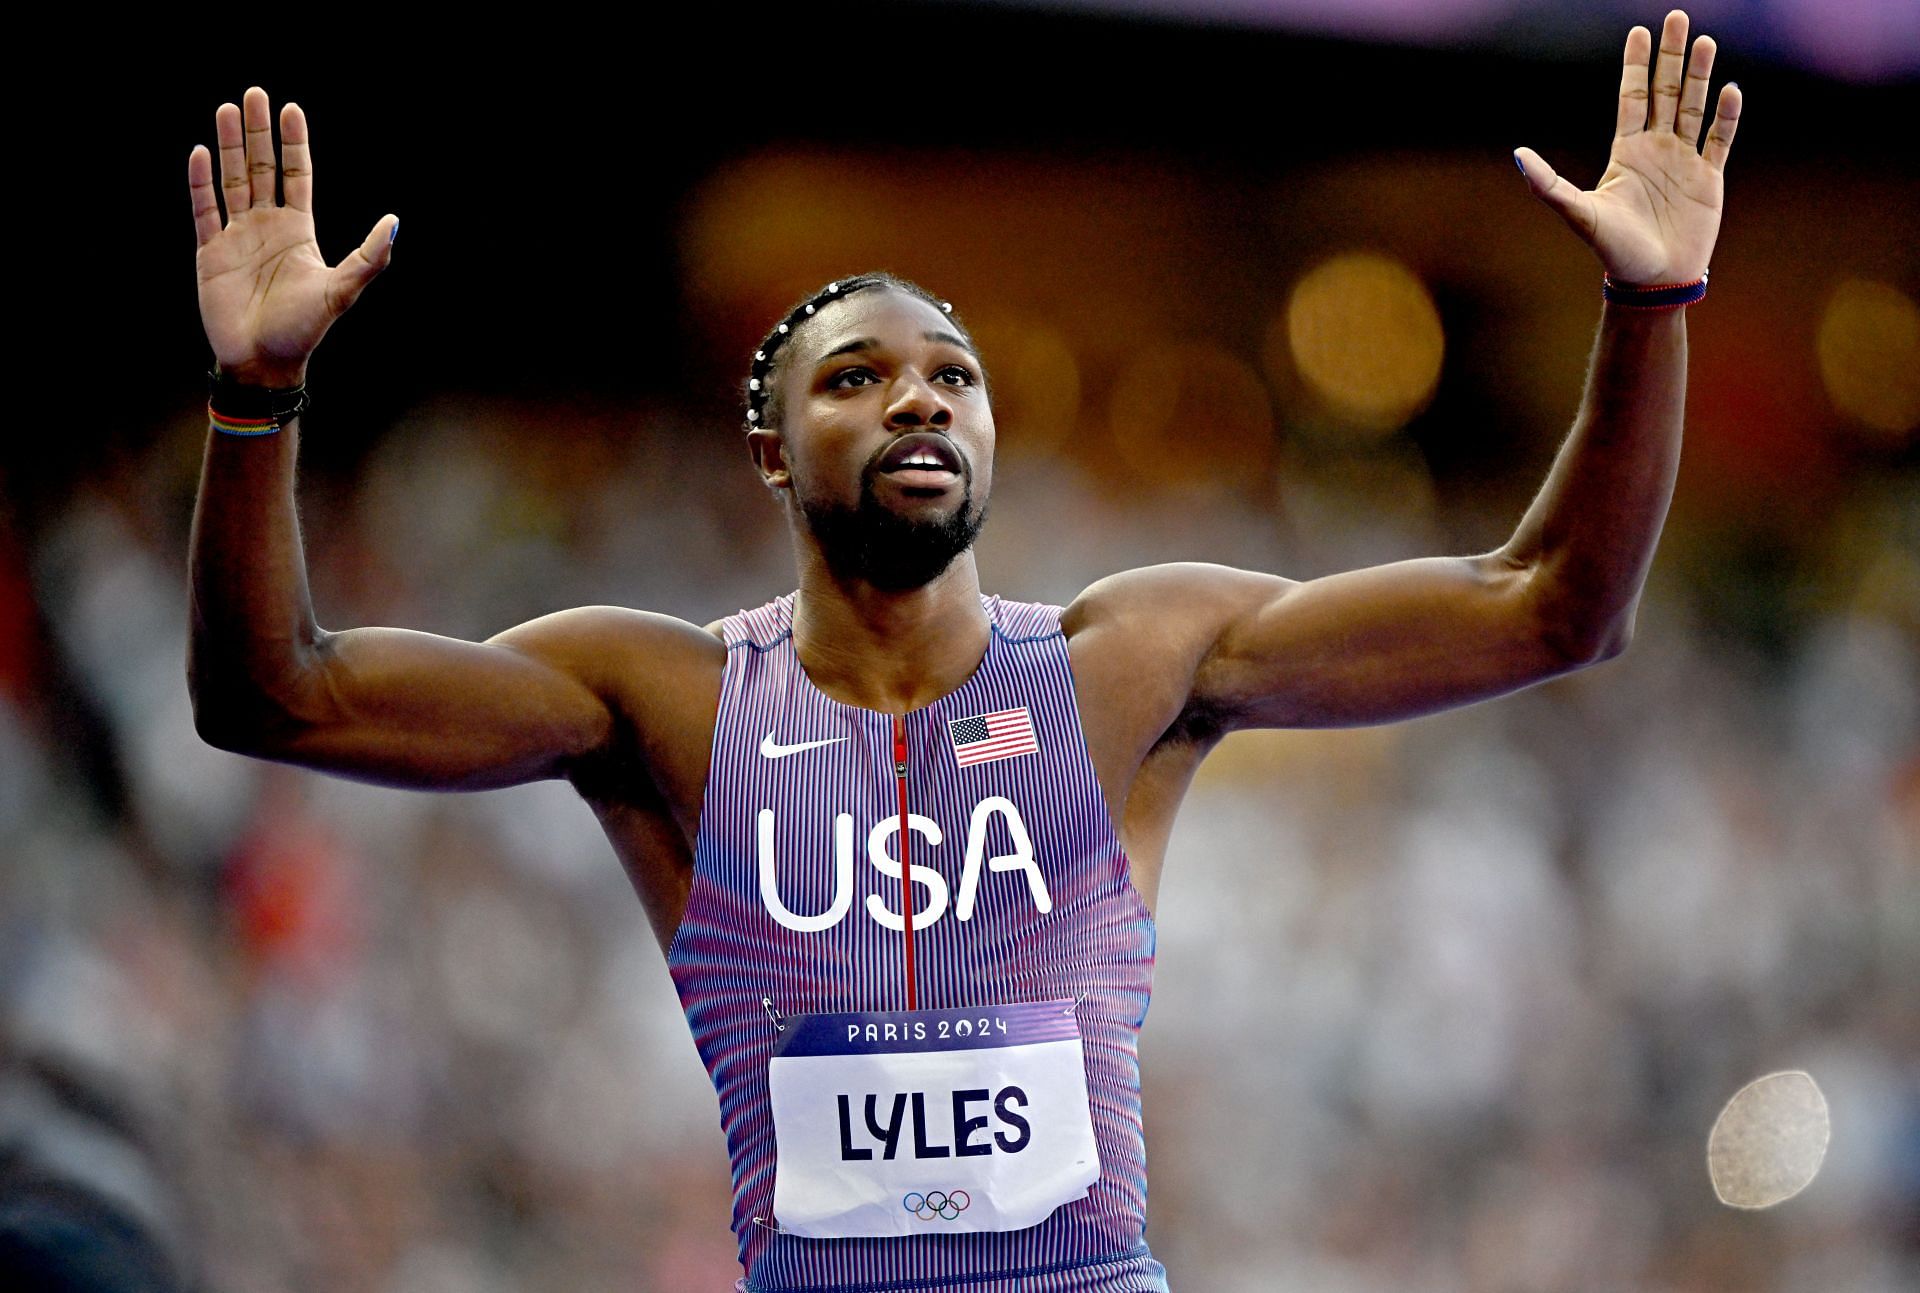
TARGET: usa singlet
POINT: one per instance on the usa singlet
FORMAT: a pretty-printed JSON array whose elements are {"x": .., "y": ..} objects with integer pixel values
[{"x": 1027, "y": 942}]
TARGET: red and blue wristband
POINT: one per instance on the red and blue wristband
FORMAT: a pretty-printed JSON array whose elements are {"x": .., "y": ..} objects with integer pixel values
[{"x": 1658, "y": 296}]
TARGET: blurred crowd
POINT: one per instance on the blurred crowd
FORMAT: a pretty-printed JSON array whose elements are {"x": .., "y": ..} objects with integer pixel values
[{"x": 1443, "y": 1006}]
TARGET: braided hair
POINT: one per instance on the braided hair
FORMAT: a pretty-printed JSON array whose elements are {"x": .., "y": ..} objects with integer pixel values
[{"x": 763, "y": 377}]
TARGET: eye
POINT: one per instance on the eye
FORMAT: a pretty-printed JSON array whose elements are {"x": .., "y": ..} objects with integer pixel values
[
  {"x": 847, "y": 377},
  {"x": 956, "y": 374}
]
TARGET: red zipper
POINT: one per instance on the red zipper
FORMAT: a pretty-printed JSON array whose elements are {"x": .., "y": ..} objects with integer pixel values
[{"x": 906, "y": 869}]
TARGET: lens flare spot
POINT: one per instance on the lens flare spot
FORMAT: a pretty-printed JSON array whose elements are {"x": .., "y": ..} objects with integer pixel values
[{"x": 1768, "y": 1143}]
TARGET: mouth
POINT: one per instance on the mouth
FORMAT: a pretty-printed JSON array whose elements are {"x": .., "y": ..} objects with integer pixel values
[{"x": 921, "y": 460}]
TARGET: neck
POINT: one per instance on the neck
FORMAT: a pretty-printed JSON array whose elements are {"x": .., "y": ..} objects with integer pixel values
[{"x": 884, "y": 649}]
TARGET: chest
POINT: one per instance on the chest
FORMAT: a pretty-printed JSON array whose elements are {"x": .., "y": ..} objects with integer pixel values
[{"x": 816, "y": 809}]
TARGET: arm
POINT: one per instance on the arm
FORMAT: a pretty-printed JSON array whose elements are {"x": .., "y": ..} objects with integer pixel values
[
  {"x": 387, "y": 705},
  {"x": 382, "y": 704},
  {"x": 1413, "y": 637}
]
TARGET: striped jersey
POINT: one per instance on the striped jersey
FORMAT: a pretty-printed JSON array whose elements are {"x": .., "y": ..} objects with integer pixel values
[{"x": 1026, "y": 897}]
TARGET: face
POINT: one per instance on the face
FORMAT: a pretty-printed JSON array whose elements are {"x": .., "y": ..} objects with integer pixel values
[{"x": 885, "y": 437}]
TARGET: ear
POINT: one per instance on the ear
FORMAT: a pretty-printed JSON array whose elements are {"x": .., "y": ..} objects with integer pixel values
[{"x": 769, "y": 454}]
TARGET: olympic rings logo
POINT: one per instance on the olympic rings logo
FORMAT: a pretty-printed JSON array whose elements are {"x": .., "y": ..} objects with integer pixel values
[{"x": 937, "y": 1203}]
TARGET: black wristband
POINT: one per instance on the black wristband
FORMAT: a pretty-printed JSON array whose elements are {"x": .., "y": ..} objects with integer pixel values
[{"x": 278, "y": 404}]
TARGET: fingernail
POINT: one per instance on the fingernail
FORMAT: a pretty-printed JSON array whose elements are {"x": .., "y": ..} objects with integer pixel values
[
  {"x": 1518, "y": 164},
  {"x": 393, "y": 232}
]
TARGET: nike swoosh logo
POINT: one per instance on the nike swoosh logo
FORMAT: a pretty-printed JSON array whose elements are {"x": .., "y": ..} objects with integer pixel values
[{"x": 769, "y": 749}]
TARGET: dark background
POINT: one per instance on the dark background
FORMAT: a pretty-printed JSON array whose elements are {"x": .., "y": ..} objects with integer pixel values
[{"x": 507, "y": 151}]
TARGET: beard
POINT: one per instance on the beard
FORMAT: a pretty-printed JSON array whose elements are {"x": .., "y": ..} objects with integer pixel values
[{"x": 869, "y": 542}]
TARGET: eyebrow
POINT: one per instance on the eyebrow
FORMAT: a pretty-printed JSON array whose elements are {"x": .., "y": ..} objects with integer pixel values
[{"x": 859, "y": 344}]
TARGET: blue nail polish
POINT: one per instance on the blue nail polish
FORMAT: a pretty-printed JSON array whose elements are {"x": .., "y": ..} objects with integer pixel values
[
  {"x": 1519, "y": 165},
  {"x": 393, "y": 232}
]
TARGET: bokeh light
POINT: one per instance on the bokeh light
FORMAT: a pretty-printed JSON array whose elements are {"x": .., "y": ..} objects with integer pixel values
[
  {"x": 1869, "y": 345},
  {"x": 1362, "y": 331},
  {"x": 1190, "y": 412},
  {"x": 1034, "y": 379}
]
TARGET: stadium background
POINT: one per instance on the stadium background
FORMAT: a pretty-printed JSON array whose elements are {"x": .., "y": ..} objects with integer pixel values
[{"x": 1442, "y": 1006}]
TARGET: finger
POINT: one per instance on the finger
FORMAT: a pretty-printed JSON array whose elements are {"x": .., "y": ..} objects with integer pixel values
[
  {"x": 233, "y": 160},
  {"x": 1574, "y": 206},
  {"x": 1726, "y": 119},
  {"x": 350, "y": 277},
  {"x": 206, "y": 206},
  {"x": 260, "y": 164},
  {"x": 1633, "y": 84},
  {"x": 1693, "y": 95},
  {"x": 296, "y": 162},
  {"x": 1666, "y": 71}
]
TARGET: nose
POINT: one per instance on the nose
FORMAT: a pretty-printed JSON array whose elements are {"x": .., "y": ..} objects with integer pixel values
[{"x": 917, "y": 402}]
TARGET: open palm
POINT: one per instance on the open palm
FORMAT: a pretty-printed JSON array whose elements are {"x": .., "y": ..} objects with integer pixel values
[
  {"x": 267, "y": 295},
  {"x": 1654, "y": 215}
]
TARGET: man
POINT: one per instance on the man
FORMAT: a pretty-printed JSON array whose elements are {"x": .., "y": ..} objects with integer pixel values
[{"x": 926, "y": 1063}]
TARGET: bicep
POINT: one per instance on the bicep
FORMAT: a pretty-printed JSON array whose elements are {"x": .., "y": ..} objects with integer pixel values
[
  {"x": 408, "y": 708},
  {"x": 412, "y": 709},
  {"x": 1373, "y": 645}
]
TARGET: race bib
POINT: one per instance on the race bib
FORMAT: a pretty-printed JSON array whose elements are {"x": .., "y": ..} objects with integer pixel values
[{"x": 929, "y": 1121}]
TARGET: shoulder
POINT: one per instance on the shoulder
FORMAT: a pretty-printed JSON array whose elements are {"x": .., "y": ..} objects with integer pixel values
[
  {"x": 632, "y": 659},
  {"x": 1177, "y": 604},
  {"x": 1138, "y": 640},
  {"x": 658, "y": 677},
  {"x": 585, "y": 633}
]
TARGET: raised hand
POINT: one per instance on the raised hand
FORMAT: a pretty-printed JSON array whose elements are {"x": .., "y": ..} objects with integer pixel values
[
  {"x": 1654, "y": 215},
  {"x": 267, "y": 295}
]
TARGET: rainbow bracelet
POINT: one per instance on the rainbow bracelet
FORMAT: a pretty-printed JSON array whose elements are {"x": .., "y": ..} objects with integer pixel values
[
  {"x": 1659, "y": 296},
  {"x": 227, "y": 425},
  {"x": 251, "y": 410}
]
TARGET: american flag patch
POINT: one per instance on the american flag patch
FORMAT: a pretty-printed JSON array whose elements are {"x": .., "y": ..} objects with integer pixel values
[{"x": 986, "y": 737}]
